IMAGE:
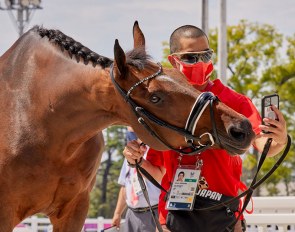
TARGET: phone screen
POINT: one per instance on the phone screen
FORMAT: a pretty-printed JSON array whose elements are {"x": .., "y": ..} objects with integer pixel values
[{"x": 267, "y": 102}]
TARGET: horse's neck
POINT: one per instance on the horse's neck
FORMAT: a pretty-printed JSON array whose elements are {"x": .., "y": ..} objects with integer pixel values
[
  {"x": 51, "y": 105},
  {"x": 86, "y": 98},
  {"x": 58, "y": 97}
]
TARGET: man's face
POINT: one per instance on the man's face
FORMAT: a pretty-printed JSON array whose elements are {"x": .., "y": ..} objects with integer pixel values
[{"x": 192, "y": 45}]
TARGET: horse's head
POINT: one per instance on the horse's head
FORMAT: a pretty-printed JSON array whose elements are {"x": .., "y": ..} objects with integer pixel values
[{"x": 166, "y": 112}]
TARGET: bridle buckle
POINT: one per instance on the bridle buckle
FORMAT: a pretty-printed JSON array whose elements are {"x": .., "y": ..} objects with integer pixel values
[{"x": 211, "y": 139}]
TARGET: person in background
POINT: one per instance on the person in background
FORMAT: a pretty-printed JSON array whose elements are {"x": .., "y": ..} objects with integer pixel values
[
  {"x": 138, "y": 216},
  {"x": 220, "y": 175}
]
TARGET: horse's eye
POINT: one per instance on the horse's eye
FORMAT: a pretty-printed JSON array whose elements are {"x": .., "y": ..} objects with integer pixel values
[{"x": 154, "y": 99}]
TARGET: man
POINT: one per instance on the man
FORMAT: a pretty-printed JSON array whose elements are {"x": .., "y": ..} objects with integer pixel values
[
  {"x": 220, "y": 175},
  {"x": 138, "y": 217}
]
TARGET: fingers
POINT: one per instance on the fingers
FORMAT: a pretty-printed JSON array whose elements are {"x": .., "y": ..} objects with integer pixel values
[
  {"x": 276, "y": 110},
  {"x": 133, "y": 151},
  {"x": 116, "y": 221},
  {"x": 277, "y": 128}
]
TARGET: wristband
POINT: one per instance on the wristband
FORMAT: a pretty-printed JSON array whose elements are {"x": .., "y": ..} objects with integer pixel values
[{"x": 134, "y": 165}]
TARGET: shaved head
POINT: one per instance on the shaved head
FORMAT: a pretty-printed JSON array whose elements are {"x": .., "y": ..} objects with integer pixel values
[{"x": 186, "y": 31}]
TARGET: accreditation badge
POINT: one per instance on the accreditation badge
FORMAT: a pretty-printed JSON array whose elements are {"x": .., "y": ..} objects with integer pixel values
[{"x": 183, "y": 190}]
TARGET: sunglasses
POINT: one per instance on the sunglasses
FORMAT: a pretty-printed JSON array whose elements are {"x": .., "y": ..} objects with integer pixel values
[{"x": 194, "y": 57}]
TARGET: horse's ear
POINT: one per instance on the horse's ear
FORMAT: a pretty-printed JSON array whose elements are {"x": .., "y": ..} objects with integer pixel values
[
  {"x": 120, "y": 60},
  {"x": 139, "y": 40}
]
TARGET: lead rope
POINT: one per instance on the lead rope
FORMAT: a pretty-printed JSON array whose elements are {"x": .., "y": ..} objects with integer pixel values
[
  {"x": 146, "y": 195},
  {"x": 247, "y": 199},
  {"x": 258, "y": 183}
]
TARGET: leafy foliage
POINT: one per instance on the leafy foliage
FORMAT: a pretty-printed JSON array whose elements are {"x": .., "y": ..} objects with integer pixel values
[{"x": 166, "y": 52}]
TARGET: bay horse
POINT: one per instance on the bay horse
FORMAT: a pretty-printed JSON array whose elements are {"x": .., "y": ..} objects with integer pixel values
[{"x": 57, "y": 96}]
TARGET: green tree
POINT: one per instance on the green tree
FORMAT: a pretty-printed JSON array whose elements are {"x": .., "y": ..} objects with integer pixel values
[
  {"x": 281, "y": 78},
  {"x": 257, "y": 67},
  {"x": 166, "y": 52},
  {"x": 252, "y": 49}
]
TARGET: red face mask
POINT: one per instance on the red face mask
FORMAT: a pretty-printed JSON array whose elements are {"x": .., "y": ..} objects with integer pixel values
[{"x": 198, "y": 73}]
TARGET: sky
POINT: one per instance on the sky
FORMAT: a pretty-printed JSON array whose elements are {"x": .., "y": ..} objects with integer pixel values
[{"x": 97, "y": 23}]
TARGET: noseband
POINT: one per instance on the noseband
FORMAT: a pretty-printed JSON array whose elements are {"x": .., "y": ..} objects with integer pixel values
[{"x": 201, "y": 103}]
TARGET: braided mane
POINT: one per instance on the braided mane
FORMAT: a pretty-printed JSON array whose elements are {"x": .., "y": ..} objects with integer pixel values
[{"x": 73, "y": 47}]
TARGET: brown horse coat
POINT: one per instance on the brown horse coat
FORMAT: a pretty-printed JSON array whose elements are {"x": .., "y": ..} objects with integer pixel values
[{"x": 54, "y": 108}]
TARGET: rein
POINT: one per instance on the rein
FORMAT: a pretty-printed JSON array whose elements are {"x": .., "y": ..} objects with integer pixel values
[
  {"x": 254, "y": 184},
  {"x": 201, "y": 103}
]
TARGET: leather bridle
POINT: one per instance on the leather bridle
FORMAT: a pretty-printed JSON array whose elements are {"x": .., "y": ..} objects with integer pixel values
[{"x": 194, "y": 143}]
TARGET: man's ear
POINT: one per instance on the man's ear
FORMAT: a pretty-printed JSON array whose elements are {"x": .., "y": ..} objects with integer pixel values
[{"x": 172, "y": 61}]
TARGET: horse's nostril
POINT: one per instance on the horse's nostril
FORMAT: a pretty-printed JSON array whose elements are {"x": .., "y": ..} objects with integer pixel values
[
  {"x": 246, "y": 125},
  {"x": 237, "y": 133},
  {"x": 242, "y": 131}
]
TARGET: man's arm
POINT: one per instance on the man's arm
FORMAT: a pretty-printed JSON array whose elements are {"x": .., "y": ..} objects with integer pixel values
[
  {"x": 121, "y": 205},
  {"x": 157, "y": 172}
]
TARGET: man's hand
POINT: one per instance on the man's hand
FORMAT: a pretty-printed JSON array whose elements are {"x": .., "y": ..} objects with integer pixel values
[
  {"x": 277, "y": 128},
  {"x": 278, "y": 132},
  {"x": 134, "y": 151},
  {"x": 116, "y": 220}
]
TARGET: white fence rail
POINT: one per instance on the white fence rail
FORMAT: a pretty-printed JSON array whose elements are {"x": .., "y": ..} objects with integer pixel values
[
  {"x": 35, "y": 224},
  {"x": 271, "y": 214}
]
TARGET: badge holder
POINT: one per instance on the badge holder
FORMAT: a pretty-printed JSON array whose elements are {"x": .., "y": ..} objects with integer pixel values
[
  {"x": 183, "y": 190},
  {"x": 136, "y": 185}
]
